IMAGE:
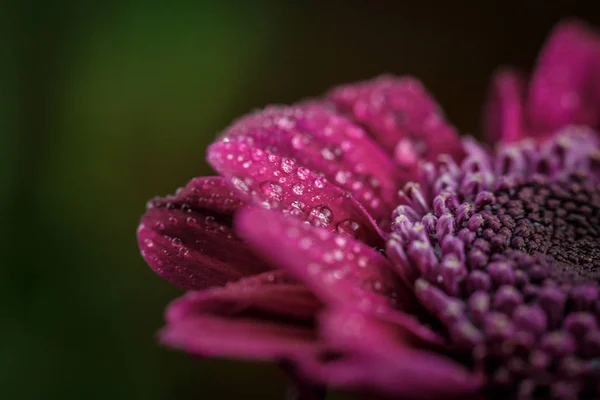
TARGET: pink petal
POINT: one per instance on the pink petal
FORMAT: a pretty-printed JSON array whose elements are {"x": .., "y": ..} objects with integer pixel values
[
  {"x": 337, "y": 268},
  {"x": 279, "y": 183},
  {"x": 269, "y": 316},
  {"x": 504, "y": 115},
  {"x": 373, "y": 356},
  {"x": 566, "y": 82},
  {"x": 402, "y": 117},
  {"x": 208, "y": 335},
  {"x": 272, "y": 293},
  {"x": 188, "y": 239},
  {"x": 319, "y": 139}
]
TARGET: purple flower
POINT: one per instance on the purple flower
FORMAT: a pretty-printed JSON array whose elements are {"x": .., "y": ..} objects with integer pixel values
[{"x": 360, "y": 239}]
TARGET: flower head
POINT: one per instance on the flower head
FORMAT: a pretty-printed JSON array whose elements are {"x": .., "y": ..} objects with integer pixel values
[{"x": 362, "y": 240}]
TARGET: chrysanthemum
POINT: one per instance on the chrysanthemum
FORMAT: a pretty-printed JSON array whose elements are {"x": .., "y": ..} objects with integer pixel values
[{"x": 361, "y": 240}]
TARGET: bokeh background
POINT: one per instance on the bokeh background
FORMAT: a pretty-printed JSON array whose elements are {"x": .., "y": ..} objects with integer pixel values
[{"x": 104, "y": 104}]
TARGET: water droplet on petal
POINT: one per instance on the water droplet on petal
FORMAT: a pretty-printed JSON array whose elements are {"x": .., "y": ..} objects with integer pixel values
[
  {"x": 272, "y": 189},
  {"x": 287, "y": 165},
  {"x": 321, "y": 216},
  {"x": 176, "y": 242},
  {"x": 320, "y": 182},
  {"x": 299, "y": 141},
  {"x": 350, "y": 228},
  {"x": 191, "y": 221},
  {"x": 303, "y": 173},
  {"x": 298, "y": 189}
]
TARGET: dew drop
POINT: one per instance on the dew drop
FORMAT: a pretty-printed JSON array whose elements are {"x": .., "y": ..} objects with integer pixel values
[
  {"x": 191, "y": 221},
  {"x": 342, "y": 177},
  {"x": 363, "y": 261},
  {"x": 321, "y": 216},
  {"x": 239, "y": 184},
  {"x": 184, "y": 251},
  {"x": 299, "y": 141},
  {"x": 331, "y": 153},
  {"x": 173, "y": 220},
  {"x": 320, "y": 182},
  {"x": 303, "y": 173},
  {"x": 160, "y": 226},
  {"x": 298, "y": 189},
  {"x": 176, "y": 242},
  {"x": 148, "y": 243},
  {"x": 257, "y": 154},
  {"x": 287, "y": 165},
  {"x": 350, "y": 228},
  {"x": 272, "y": 189}
]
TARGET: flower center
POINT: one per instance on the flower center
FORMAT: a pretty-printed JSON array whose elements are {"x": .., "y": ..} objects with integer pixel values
[
  {"x": 504, "y": 250},
  {"x": 558, "y": 219}
]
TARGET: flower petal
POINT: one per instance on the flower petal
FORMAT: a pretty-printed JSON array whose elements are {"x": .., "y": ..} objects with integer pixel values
[
  {"x": 269, "y": 316},
  {"x": 402, "y": 117},
  {"x": 273, "y": 293},
  {"x": 188, "y": 239},
  {"x": 279, "y": 183},
  {"x": 565, "y": 87},
  {"x": 239, "y": 338},
  {"x": 373, "y": 356},
  {"x": 323, "y": 141},
  {"x": 504, "y": 114},
  {"x": 338, "y": 269}
]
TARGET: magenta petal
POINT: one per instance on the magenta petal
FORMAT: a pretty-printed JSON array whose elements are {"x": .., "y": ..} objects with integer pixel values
[
  {"x": 272, "y": 293},
  {"x": 279, "y": 183},
  {"x": 402, "y": 116},
  {"x": 188, "y": 238},
  {"x": 504, "y": 114},
  {"x": 565, "y": 85},
  {"x": 323, "y": 141},
  {"x": 373, "y": 357},
  {"x": 338, "y": 269},
  {"x": 207, "y": 335},
  {"x": 269, "y": 316}
]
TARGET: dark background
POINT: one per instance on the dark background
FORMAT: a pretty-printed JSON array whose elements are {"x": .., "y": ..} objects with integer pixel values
[{"x": 105, "y": 104}]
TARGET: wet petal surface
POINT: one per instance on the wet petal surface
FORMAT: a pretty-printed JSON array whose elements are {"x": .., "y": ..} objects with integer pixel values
[
  {"x": 402, "y": 117},
  {"x": 188, "y": 238},
  {"x": 338, "y": 269},
  {"x": 280, "y": 183},
  {"x": 319, "y": 139}
]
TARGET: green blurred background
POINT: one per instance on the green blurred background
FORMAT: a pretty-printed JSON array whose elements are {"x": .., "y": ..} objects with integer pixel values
[{"x": 104, "y": 104}]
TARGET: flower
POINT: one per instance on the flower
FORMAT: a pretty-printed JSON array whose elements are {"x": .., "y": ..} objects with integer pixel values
[{"x": 360, "y": 239}]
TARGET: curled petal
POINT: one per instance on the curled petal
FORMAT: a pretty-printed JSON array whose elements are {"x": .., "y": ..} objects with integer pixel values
[
  {"x": 269, "y": 316},
  {"x": 279, "y": 183},
  {"x": 208, "y": 335},
  {"x": 373, "y": 356},
  {"x": 323, "y": 141},
  {"x": 402, "y": 117},
  {"x": 188, "y": 238},
  {"x": 565, "y": 87},
  {"x": 504, "y": 114},
  {"x": 272, "y": 293}
]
